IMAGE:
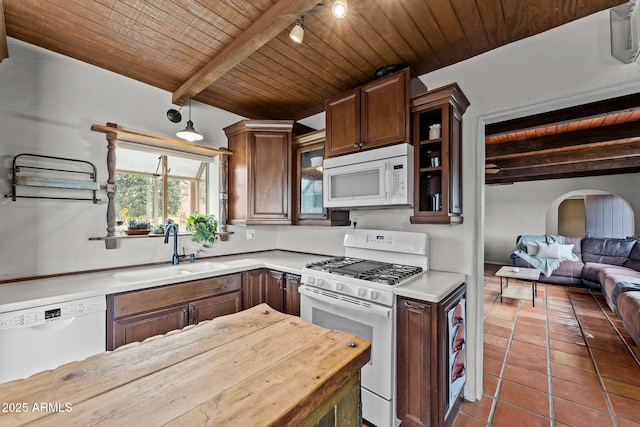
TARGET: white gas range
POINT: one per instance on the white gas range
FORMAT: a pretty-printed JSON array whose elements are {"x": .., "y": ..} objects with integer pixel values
[{"x": 354, "y": 294}]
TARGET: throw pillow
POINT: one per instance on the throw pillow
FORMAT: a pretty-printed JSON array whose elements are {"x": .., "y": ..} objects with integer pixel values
[
  {"x": 532, "y": 249},
  {"x": 566, "y": 252},
  {"x": 548, "y": 251}
]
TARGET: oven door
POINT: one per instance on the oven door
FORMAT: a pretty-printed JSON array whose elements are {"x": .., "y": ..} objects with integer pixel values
[
  {"x": 372, "y": 322},
  {"x": 360, "y": 184}
]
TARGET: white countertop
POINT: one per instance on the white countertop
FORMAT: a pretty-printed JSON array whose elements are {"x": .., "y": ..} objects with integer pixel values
[{"x": 432, "y": 286}]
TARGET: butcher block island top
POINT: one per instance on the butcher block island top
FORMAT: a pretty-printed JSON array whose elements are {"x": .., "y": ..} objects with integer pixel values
[{"x": 258, "y": 367}]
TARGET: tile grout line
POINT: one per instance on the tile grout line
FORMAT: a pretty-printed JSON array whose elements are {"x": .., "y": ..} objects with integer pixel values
[
  {"x": 552, "y": 414},
  {"x": 504, "y": 363},
  {"x": 593, "y": 361}
]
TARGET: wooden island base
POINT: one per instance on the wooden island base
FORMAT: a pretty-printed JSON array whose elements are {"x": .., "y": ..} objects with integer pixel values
[{"x": 258, "y": 367}]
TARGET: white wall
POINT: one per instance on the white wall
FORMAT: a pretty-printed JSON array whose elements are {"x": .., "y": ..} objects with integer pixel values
[
  {"x": 48, "y": 103},
  {"x": 57, "y": 99}
]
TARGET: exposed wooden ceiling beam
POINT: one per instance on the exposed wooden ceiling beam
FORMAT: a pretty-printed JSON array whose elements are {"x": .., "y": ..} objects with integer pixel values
[
  {"x": 4, "y": 49},
  {"x": 266, "y": 27},
  {"x": 599, "y": 167},
  {"x": 593, "y": 109},
  {"x": 581, "y": 154},
  {"x": 559, "y": 141}
]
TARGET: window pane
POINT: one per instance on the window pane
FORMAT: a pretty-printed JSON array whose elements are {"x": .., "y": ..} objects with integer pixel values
[
  {"x": 138, "y": 161},
  {"x": 139, "y": 189},
  {"x": 138, "y": 197}
]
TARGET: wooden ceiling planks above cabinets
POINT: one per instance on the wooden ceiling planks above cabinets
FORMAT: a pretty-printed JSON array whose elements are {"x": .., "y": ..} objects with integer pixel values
[{"x": 165, "y": 44}]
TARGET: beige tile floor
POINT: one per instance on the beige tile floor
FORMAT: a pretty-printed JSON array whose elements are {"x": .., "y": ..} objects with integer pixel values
[{"x": 566, "y": 362}]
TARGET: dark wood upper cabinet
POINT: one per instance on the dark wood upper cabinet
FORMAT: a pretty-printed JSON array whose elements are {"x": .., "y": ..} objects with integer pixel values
[
  {"x": 343, "y": 123},
  {"x": 307, "y": 183},
  {"x": 438, "y": 158},
  {"x": 372, "y": 115},
  {"x": 260, "y": 170}
]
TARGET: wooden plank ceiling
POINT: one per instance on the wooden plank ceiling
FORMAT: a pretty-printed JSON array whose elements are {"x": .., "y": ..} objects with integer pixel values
[
  {"x": 600, "y": 138},
  {"x": 236, "y": 55},
  {"x": 254, "y": 69}
]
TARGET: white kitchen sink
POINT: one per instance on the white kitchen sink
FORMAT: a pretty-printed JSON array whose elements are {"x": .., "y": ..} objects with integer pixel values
[
  {"x": 150, "y": 274},
  {"x": 164, "y": 272},
  {"x": 204, "y": 266}
]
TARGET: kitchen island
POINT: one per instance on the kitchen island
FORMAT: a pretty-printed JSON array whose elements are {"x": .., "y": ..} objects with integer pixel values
[{"x": 253, "y": 368}]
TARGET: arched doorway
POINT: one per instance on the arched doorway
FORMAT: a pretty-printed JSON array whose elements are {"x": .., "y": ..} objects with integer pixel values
[{"x": 592, "y": 213}]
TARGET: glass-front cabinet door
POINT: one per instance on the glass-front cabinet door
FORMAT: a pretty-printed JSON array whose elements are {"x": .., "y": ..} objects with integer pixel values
[
  {"x": 307, "y": 183},
  {"x": 311, "y": 182}
]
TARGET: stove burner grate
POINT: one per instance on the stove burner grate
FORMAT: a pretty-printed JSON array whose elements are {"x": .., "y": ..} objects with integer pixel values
[{"x": 373, "y": 271}]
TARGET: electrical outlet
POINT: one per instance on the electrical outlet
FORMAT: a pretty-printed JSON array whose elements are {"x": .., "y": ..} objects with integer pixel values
[{"x": 251, "y": 234}]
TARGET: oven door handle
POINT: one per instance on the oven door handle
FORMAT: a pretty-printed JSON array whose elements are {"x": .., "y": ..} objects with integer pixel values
[{"x": 373, "y": 309}]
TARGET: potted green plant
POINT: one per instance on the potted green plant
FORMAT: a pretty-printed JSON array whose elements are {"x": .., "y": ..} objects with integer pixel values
[
  {"x": 138, "y": 226},
  {"x": 203, "y": 228}
]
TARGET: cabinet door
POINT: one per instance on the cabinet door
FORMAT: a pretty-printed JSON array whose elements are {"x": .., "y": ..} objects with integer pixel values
[
  {"x": 414, "y": 354},
  {"x": 210, "y": 308},
  {"x": 263, "y": 286},
  {"x": 274, "y": 290},
  {"x": 385, "y": 111},
  {"x": 291, "y": 294},
  {"x": 142, "y": 326},
  {"x": 343, "y": 123},
  {"x": 270, "y": 179},
  {"x": 252, "y": 288}
]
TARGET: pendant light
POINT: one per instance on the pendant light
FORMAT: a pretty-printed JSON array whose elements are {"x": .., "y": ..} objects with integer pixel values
[
  {"x": 189, "y": 133},
  {"x": 339, "y": 8},
  {"x": 297, "y": 34}
]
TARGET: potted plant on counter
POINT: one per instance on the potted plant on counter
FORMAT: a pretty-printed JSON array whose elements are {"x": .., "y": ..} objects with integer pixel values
[
  {"x": 203, "y": 229},
  {"x": 137, "y": 227}
]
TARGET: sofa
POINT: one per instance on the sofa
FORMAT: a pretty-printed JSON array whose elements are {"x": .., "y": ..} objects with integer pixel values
[{"x": 609, "y": 265}]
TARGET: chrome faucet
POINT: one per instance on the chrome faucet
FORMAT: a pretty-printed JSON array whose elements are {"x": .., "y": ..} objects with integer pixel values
[{"x": 175, "y": 259}]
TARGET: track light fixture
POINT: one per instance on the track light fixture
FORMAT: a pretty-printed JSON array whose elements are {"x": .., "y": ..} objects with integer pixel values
[
  {"x": 297, "y": 34},
  {"x": 189, "y": 133},
  {"x": 339, "y": 8}
]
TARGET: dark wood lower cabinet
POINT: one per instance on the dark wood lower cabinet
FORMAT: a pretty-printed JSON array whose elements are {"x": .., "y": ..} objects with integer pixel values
[
  {"x": 278, "y": 289},
  {"x": 430, "y": 351},
  {"x": 137, "y": 315}
]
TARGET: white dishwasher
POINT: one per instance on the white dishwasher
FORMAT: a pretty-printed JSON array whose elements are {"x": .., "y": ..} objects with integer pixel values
[{"x": 41, "y": 338}]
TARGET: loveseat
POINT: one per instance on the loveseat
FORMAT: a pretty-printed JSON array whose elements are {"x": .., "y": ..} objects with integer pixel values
[{"x": 606, "y": 264}]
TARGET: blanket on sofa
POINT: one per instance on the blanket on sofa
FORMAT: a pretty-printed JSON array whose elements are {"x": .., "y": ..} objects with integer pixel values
[{"x": 545, "y": 265}]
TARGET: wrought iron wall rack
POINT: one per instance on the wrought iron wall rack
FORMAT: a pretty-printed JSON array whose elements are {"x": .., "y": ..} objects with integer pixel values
[{"x": 36, "y": 170}]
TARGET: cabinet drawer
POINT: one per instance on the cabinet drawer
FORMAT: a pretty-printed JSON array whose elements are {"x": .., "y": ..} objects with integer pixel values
[{"x": 150, "y": 299}]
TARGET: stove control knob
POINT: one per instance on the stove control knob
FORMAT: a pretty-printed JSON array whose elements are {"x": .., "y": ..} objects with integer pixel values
[
  {"x": 339, "y": 286},
  {"x": 374, "y": 295},
  {"x": 362, "y": 292},
  {"x": 319, "y": 281},
  {"x": 311, "y": 280}
]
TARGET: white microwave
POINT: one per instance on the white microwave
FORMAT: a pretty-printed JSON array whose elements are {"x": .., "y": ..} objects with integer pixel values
[{"x": 382, "y": 177}]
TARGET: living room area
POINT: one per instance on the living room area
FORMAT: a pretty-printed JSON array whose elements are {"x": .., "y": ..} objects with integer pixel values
[{"x": 570, "y": 359}]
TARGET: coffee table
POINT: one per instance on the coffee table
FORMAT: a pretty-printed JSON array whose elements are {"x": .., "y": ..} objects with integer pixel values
[{"x": 526, "y": 274}]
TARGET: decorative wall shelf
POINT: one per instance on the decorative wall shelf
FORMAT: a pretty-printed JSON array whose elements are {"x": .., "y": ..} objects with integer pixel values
[{"x": 56, "y": 173}]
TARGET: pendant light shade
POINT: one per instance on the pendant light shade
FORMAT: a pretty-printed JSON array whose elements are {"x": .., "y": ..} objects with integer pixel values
[
  {"x": 339, "y": 8},
  {"x": 297, "y": 34},
  {"x": 189, "y": 133}
]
